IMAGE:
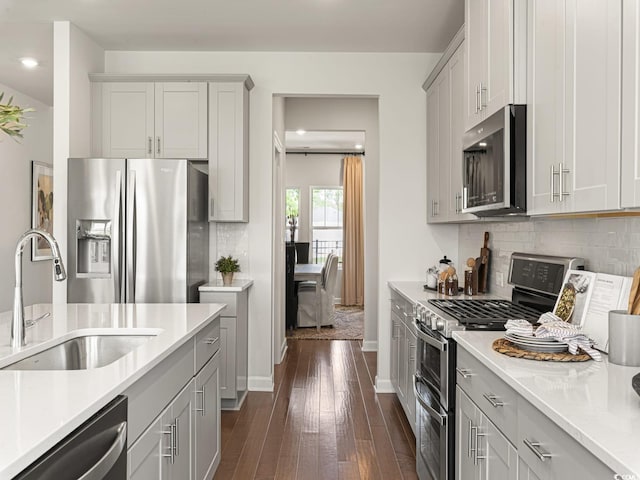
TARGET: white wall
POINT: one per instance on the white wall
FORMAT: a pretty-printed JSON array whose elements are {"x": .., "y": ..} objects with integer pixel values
[
  {"x": 15, "y": 196},
  {"x": 75, "y": 56},
  {"x": 303, "y": 172},
  {"x": 406, "y": 244}
]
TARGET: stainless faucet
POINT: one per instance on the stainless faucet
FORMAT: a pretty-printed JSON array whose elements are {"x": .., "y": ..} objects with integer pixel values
[{"x": 18, "y": 325}]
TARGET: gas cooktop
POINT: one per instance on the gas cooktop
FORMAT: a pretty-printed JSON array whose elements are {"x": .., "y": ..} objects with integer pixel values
[{"x": 485, "y": 314}]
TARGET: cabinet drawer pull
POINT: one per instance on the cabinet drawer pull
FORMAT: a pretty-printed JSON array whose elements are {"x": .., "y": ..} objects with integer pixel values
[
  {"x": 493, "y": 400},
  {"x": 535, "y": 448},
  {"x": 465, "y": 372},
  {"x": 477, "y": 456},
  {"x": 211, "y": 341}
]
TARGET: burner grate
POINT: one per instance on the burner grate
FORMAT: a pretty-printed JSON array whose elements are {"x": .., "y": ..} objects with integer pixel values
[{"x": 485, "y": 311}]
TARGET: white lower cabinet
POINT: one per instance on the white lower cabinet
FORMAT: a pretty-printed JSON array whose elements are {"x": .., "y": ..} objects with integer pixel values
[
  {"x": 206, "y": 419},
  {"x": 483, "y": 452},
  {"x": 403, "y": 355},
  {"x": 164, "y": 450},
  {"x": 174, "y": 414},
  {"x": 547, "y": 452},
  {"x": 500, "y": 435}
]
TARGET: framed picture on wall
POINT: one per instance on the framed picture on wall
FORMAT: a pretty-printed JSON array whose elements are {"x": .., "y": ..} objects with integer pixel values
[{"x": 41, "y": 208}]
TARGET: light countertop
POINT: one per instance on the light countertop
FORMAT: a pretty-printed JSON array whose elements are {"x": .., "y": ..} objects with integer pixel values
[
  {"x": 592, "y": 401},
  {"x": 40, "y": 408},
  {"x": 238, "y": 285}
]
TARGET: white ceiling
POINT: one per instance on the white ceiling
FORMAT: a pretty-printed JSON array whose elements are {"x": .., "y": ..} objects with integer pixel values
[
  {"x": 232, "y": 25},
  {"x": 338, "y": 141}
]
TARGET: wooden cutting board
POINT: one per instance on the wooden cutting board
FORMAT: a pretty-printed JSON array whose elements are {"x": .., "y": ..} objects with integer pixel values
[{"x": 483, "y": 269}]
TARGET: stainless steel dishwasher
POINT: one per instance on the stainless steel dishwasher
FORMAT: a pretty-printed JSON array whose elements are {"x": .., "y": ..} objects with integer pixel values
[{"x": 96, "y": 450}]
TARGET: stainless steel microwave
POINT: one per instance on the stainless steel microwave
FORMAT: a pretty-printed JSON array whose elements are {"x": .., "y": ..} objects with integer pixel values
[{"x": 495, "y": 164}]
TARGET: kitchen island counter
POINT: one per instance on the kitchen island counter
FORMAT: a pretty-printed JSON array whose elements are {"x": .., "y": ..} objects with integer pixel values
[
  {"x": 593, "y": 402},
  {"x": 40, "y": 408}
]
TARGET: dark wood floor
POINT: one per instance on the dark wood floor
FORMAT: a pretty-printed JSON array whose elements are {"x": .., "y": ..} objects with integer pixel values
[{"x": 323, "y": 421}]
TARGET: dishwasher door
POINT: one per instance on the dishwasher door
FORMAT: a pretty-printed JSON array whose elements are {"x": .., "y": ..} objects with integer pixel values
[{"x": 96, "y": 450}]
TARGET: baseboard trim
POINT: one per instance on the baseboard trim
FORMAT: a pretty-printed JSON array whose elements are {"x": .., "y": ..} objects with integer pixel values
[
  {"x": 384, "y": 386},
  {"x": 369, "y": 346},
  {"x": 283, "y": 350},
  {"x": 261, "y": 384}
]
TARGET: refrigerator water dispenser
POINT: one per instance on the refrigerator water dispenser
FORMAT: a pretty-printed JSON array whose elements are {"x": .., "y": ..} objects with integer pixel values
[{"x": 93, "y": 239}]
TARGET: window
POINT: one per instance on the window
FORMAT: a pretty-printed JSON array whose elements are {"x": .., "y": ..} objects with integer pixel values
[
  {"x": 292, "y": 211},
  {"x": 326, "y": 222}
]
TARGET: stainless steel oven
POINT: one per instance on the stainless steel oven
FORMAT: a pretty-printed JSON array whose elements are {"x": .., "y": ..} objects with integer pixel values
[{"x": 434, "y": 384}]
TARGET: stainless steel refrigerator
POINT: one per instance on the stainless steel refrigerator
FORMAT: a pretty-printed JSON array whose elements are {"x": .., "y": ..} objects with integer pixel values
[{"x": 137, "y": 230}]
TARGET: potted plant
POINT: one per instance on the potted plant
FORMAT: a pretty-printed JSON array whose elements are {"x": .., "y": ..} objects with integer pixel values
[
  {"x": 227, "y": 266},
  {"x": 11, "y": 118}
]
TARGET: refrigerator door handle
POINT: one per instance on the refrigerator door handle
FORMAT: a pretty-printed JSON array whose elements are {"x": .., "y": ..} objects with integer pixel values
[
  {"x": 131, "y": 238},
  {"x": 116, "y": 238}
]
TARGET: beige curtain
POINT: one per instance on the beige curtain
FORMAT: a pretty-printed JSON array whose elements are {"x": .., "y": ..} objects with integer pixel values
[{"x": 353, "y": 251}]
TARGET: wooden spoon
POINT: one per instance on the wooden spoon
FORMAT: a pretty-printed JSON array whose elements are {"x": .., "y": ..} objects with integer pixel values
[{"x": 633, "y": 294}]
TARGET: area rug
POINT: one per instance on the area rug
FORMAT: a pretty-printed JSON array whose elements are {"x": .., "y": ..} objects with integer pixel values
[{"x": 349, "y": 325}]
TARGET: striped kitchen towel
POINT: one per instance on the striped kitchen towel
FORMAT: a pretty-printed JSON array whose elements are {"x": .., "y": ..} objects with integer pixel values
[
  {"x": 568, "y": 333},
  {"x": 519, "y": 327}
]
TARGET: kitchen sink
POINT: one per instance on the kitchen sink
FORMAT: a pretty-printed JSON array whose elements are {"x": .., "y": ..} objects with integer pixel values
[{"x": 81, "y": 353}]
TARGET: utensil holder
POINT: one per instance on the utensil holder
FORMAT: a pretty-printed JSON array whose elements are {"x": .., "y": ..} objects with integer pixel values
[{"x": 624, "y": 338}]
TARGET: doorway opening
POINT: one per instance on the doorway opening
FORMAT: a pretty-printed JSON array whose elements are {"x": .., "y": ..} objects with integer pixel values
[{"x": 319, "y": 133}]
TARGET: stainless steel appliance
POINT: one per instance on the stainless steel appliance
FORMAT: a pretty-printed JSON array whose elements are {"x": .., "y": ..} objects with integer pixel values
[
  {"x": 536, "y": 281},
  {"x": 137, "y": 230},
  {"x": 495, "y": 164},
  {"x": 97, "y": 450}
]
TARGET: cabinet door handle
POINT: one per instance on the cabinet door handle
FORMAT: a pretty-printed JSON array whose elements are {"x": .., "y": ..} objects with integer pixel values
[
  {"x": 477, "y": 98},
  {"x": 561, "y": 172},
  {"x": 535, "y": 448},
  {"x": 201, "y": 410},
  {"x": 465, "y": 372},
  {"x": 176, "y": 436},
  {"x": 158, "y": 145},
  {"x": 211, "y": 341},
  {"x": 478, "y": 457},
  {"x": 474, "y": 449},
  {"x": 493, "y": 400},
  {"x": 171, "y": 433},
  {"x": 150, "y": 150},
  {"x": 483, "y": 90}
]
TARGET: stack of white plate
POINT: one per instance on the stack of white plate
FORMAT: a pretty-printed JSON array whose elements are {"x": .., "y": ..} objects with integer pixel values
[{"x": 535, "y": 344}]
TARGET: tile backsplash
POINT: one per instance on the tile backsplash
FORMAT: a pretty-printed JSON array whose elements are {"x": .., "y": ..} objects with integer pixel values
[
  {"x": 608, "y": 245},
  {"x": 229, "y": 239}
]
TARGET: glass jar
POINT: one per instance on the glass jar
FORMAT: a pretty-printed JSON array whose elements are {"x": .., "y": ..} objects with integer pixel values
[{"x": 451, "y": 285}]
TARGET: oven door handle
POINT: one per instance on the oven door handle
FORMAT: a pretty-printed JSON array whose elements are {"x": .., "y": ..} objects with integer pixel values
[
  {"x": 442, "y": 419},
  {"x": 442, "y": 346}
]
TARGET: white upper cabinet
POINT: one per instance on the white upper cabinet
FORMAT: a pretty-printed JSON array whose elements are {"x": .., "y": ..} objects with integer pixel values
[
  {"x": 181, "y": 120},
  {"x": 445, "y": 127},
  {"x": 495, "y": 63},
  {"x": 573, "y": 116},
  {"x": 153, "y": 120},
  {"x": 127, "y": 120},
  {"x": 229, "y": 152},
  {"x": 630, "y": 104}
]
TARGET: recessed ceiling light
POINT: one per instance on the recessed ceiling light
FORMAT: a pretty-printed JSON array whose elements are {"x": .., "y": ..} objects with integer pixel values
[
  {"x": 483, "y": 144},
  {"x": 29, "y": 62},
  {"x": 358, "y": 146},
  {"x": 301, "y": 131}
]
